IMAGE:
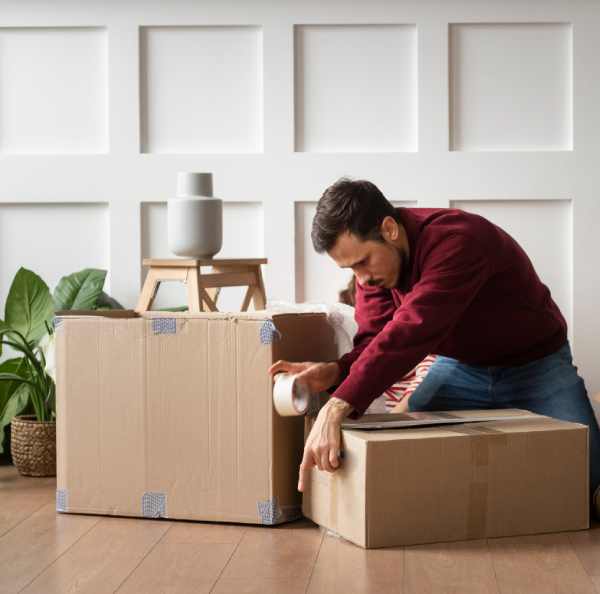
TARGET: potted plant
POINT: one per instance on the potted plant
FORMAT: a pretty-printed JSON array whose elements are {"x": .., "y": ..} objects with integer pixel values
[{"x": 27, "y": 382}]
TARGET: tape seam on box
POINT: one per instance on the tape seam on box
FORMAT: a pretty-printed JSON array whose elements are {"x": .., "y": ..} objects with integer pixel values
[
  {"x": 154, "y": 505},
  {"x": 478, "y": 489},
  {"x": 62, "y": 500},
  {"x": 482, "y": 438},
  {"x": 164, "y": 325}
]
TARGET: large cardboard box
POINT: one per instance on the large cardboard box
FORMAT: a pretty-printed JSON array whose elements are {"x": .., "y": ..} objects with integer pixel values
[
  {"x": 455, "y": 482},
  {"x": 171, "y": 415}
]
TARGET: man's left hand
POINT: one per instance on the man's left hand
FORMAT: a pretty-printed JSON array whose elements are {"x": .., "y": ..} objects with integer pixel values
[{"x": 322, "y": 447}]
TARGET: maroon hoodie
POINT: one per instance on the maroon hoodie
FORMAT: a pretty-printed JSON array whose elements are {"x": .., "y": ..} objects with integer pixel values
[{"x": 470, "y": 293}]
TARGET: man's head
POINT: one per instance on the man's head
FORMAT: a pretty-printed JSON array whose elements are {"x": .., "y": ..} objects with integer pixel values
[{"x": 360, "y": 229}]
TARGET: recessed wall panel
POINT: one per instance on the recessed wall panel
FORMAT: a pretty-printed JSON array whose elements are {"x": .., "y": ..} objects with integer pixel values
[
  {"x": 511, "y": 87},
  {"x": 53, "y": 90},
  {"x": 201, "y": 89},
  {"x": 355, "y": 88}
]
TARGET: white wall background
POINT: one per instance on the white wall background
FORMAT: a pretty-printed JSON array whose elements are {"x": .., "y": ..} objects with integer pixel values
[{"x": 488, "y": 106}]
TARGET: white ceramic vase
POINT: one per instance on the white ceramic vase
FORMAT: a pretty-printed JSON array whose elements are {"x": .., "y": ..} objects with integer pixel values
[{"x": 195, "y": 218}]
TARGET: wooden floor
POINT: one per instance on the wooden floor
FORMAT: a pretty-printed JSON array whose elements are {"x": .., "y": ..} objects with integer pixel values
[{"x": 45, "y": 552}]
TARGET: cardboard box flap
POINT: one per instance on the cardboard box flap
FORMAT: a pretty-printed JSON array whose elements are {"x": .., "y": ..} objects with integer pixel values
[
  {"x": 232, "y": 315},
  {"x": 96, "y": 313},
  {"x": 514, "y": 421},
  {"x": 423, "y": 418}
]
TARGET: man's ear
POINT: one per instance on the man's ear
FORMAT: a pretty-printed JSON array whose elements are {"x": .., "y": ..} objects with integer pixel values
[{"x": 389, "y": 229}]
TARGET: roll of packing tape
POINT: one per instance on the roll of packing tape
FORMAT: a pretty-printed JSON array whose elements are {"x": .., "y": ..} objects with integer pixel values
[{"x": 290, "y": 397}]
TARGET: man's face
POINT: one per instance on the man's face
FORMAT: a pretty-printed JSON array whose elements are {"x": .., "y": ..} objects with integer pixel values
[{"x": 374, "y": 263}]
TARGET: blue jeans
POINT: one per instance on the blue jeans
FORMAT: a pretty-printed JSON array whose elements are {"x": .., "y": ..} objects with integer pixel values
[{"x": 548, "y": 386}]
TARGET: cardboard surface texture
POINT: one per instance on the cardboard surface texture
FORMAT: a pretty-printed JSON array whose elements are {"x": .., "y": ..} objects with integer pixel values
[
  {"x": 455, "y": 482},
  {"x": 170, "y": 414}
]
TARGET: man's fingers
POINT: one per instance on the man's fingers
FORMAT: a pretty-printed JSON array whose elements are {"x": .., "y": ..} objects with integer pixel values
[
  {"x": 279, "y": 366},
  {"x": 307, "y": 463},
  {"x": 324, "y": 457},
  {"x": 284, "y": 366}
]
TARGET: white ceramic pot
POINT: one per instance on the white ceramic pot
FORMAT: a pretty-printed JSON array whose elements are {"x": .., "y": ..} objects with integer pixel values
[{"x": 195, "y": 217}]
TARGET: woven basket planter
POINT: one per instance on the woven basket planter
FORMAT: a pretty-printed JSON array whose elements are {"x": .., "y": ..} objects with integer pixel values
[{"x": 33, "y": 446}]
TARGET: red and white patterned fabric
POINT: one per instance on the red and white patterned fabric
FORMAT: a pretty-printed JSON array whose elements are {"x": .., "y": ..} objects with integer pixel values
[{"x": 403, "y": 388}]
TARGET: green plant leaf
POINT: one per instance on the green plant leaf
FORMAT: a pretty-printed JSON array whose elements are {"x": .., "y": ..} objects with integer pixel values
[
  {"x": 107, "y": 302},
  {"x": 3, "y": 326},
  {"x": 19, "y": 343},
  {"x": 29, "y": 305},
  {"x": 13, "y": 377},
  {"x": 15, "y": 366},
  {"x": 15, "y": 405},
  {"x": 8, "y": 389},
  {"x": 79, "y": 290}
]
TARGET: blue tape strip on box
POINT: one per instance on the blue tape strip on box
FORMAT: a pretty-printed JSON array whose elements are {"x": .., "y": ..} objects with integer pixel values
[
  {"x": 62, "y": 500},
  {"x": 154, "y": 505},
  {"x": 269, "y": 511},
  {"x": 269, "y": 333},
  {"x": 164, "y": 325}
]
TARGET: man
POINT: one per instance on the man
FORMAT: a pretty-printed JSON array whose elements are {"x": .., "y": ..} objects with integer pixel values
[{"x": 439, "y": 281}]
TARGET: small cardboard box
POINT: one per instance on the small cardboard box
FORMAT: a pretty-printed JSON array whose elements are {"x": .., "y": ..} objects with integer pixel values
[
  {"x": 171, "y": 414},
  {"x": 455, "y": 482}
]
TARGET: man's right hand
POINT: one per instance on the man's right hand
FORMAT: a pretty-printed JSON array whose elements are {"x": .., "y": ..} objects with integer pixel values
[{"x": 318, "y": 377}]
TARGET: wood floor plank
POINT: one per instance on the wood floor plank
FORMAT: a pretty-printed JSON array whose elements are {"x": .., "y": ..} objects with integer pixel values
[
  {"x": 539, "y": 564},
  {"x": 445, "y": 568},
  {"x": 345, "y": 568},
  {"x": 198, "y": 533},
  {"x": 20, "y": 496},
  {"x": 189, "y": 558},
  {"x": 259, "y": 585},
  {"x": 35, "y": 543},
  {"x": 179, "y": 569},
  {"x": 275, "y": 554},
  {"x": 102, "y": 559}
]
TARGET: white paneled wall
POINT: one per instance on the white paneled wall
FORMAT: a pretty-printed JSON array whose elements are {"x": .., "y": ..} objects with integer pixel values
[
  {"x": 511, "y": 86},
  {"x": 54, "y": 90},
  {"x": 487, "y": 106},
  {"x": 345, "y": 98},
  {"x": 201, "y": 89}
]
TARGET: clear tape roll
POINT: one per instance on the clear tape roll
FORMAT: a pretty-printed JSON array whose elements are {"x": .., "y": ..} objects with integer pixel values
[{"x": 290, "y": 397}]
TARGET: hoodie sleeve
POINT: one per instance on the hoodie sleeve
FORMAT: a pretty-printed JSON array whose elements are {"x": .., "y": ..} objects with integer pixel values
[{"x": 374, "y": 308}]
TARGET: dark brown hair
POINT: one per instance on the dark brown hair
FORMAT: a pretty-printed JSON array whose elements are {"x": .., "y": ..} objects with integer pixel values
[{"x": 357, "y": 207}]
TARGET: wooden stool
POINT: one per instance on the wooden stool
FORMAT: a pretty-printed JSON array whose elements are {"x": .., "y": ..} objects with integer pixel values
[{"x": 204, "y": 288}]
